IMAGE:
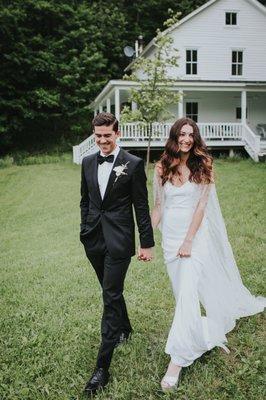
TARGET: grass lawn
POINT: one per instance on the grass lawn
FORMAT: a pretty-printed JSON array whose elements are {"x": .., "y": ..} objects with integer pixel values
[{"x": 51, "y": 301}]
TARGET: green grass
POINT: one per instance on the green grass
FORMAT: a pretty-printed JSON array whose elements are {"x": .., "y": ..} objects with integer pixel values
[{"x": 51, "y": 301}]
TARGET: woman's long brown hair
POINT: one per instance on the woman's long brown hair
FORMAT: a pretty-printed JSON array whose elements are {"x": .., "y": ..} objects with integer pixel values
[{"x": 199, "y": 161}]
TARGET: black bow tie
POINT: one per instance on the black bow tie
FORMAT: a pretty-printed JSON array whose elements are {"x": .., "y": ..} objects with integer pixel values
[{"x": 102, "y": 159}]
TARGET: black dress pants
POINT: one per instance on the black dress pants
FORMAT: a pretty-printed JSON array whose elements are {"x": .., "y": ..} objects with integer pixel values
[{"x": 111, "y": 275}]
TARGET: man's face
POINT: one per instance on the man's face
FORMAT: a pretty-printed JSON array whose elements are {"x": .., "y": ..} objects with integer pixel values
[{"x": 106, "y": 138}]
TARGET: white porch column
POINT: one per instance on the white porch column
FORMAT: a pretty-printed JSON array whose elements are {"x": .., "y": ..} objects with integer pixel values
[
  {"x": 117, "y": 103},
  {"x": 108, "y": 105},
  {"x": 134, "y": 106},
  {"x": 101, "y": 108},
  {"x": 181, "y": 104},
  {"x": 243, "y": 107},
  {"x": 95, "y": 112}
]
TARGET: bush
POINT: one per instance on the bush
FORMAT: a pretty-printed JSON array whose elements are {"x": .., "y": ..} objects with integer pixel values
[
  {"x": 7, "y": 161},
  {"x": 24, "y": 158}
]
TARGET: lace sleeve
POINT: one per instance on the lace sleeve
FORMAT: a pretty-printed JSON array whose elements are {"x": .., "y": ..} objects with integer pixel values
[
  {"x": 158, "y": 197},
  {"x": 199, "y": 211},
  {"x": 204, "y": 196}
]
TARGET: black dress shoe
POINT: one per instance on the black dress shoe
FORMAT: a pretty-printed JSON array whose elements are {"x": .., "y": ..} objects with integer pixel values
[
  {"x": 123, "y": 338},
  {"x": 99, "y": 380}
]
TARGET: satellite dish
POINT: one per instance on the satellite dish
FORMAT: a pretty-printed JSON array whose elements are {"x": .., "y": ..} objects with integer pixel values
[{"x": 129, "y": 51}]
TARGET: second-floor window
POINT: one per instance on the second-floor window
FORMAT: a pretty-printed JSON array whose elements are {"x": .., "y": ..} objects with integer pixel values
[
  {"x": 230, "y": 18},
  {"x": 191, "y": 62},
  {"x": 237, "y": 62}
]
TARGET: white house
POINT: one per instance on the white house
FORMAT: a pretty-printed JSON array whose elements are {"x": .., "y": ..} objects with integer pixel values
[{"x": 221, "y": 79}]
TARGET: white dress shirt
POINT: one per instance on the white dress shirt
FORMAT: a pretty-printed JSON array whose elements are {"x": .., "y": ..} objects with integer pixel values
[{"x": 104, "y": 171}]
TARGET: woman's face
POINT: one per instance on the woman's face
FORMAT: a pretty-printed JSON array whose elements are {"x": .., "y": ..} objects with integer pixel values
[{"x": 185, "y": 139}]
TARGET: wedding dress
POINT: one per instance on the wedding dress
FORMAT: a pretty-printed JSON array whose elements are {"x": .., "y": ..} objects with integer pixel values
[{"x": 207, "y": 286}]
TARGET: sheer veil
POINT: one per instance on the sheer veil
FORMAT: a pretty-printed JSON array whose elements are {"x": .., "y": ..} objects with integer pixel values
[{"x": 236, "y": 300}]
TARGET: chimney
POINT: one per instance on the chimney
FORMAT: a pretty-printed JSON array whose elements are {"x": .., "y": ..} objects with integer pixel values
[
  {"x": 136, "y": 48},
  {"x": 139, "y": 46},
  {"x": 141, "y": 43}
]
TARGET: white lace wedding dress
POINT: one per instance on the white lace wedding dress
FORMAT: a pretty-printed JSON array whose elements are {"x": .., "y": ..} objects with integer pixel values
[{"x": 207, "y": 286}]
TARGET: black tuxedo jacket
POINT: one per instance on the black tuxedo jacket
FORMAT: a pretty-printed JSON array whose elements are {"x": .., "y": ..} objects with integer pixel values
[{"x": 114, "y": 213}]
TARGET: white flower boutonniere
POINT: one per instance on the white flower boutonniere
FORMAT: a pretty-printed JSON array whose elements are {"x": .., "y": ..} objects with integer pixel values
[{"x": 120, "y": 170}]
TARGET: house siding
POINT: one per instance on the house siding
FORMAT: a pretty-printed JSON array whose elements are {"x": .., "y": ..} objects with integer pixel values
[
  {"x": 215, "y": 41},
  {"x": 221, "y": 106}
]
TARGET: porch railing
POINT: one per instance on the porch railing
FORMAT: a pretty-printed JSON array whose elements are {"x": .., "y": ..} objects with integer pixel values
[
  {"x": 137, "y": 135},
  {"x": 221, "y": 131},
  {"x": 140, "y": 131},
  {"x": 83, "y": 149}
]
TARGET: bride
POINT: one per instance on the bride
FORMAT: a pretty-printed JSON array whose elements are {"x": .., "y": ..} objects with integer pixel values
[{"x": 206, "y": 283}]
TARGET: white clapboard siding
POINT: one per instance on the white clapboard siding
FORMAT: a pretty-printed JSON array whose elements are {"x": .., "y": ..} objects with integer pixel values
[{"x": 206, "y": 31}]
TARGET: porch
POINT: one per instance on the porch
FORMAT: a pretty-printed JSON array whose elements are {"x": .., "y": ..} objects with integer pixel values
[
  {"x": 241, "y": 105},
  {"x": 233, "y": 102},
  {"x": 216, "y": 135}
]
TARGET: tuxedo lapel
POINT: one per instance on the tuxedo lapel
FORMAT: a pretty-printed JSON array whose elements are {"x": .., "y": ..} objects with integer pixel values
[
  {"x": 95, "y": 178},
  {"x": 118, "y": 161}
]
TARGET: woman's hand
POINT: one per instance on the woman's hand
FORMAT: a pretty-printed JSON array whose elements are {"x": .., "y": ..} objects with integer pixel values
[{"x": 185, "y": 249}]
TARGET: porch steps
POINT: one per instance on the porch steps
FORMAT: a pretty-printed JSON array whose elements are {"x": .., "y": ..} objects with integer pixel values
[{"x": 251, "y": 152}]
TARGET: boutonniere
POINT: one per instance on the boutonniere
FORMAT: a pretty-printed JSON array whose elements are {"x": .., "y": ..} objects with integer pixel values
[{"x": 120, "y": 170}]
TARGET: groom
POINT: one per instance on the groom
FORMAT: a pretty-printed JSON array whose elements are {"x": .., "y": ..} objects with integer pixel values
[{"x": 112, "y": 181}]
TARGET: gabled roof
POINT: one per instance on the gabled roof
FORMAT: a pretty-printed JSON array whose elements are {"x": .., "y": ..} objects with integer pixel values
[{"x": 198, "y": 10}]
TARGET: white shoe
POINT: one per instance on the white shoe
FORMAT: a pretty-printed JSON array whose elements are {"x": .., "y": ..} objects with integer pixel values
[{"x": 170, "y": 383}]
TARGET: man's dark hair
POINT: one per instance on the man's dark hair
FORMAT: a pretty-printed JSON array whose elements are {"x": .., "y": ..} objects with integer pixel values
[{"x": 105, "y": 119}]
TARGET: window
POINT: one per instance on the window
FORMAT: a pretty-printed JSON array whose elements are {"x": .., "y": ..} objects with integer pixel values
[
  {"x": 230, "y": 18},
  {"x": 192, "y": 111},
  {"x": 239, "y": 114},
  {"x": 237, "y": 62},
  {"x": 191, "y": 62}
]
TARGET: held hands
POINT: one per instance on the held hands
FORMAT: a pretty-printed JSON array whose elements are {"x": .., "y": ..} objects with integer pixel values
[
  {"x": 185, "y": 249},
  {"x": 145, "y": 254}
]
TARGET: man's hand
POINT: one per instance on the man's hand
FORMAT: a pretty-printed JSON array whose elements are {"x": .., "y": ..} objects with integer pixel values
[{"x": 145, "y": 254}]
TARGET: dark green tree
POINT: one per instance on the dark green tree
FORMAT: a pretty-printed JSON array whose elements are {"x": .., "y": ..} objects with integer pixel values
[{"x": 54, "y": 59}]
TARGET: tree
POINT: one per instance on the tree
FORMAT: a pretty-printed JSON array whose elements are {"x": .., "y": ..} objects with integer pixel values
[
  {"x": 55, "y": 57},
  {"x": 154, "y": 93}
]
